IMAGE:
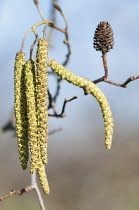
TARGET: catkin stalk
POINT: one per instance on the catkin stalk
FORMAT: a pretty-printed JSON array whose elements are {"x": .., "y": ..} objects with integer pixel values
[
  {"x": 42, "y": 96},
  {"x": 20, "y": 109},
  {"x": 95, "y": 91}
]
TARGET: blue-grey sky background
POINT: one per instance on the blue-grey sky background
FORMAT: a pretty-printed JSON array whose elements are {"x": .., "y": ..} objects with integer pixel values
[{"x": 83, "y": 130}]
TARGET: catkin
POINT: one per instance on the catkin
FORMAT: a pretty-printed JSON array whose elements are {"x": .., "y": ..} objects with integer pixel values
[
  {"x": 42, "y": 177},
  {"x": 42, "y": 96},
  {"x": 95, "y": 91},
  {"x": 30, "y": 83},
  {"x": 20, "y": 109}
]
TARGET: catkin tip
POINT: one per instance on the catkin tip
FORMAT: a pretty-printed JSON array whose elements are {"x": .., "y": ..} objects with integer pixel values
[{"x": 108, "y": 145}]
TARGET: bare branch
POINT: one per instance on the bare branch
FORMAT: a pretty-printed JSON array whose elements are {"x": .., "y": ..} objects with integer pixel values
[
  {"x": 8, "y": 125},
  {"x": 16, "y": 192},
  {"x": 33, "y": 186},
  {"x": 59, "y": 80},
  {"x": 36, "y": 2},
  {"x": 66, "y": 41},
  {"x": 36, "y": 188},
  {"x": 105, "y": 77},
  {"x": 124, "y": 85},
  {"x": 130, "y": 79},
  {"x": 55, "y": 131},
  {"x": 62, "y": 114}
]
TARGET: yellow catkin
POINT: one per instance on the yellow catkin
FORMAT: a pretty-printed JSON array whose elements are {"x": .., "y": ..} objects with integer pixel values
[
  {"x": 95, "y": 91},
  {"x": 42, "y": 96},
  {"x": 20, "y": 109},
  {"x": 30, "y": 83},
  {"x": 42, "y": 177}
]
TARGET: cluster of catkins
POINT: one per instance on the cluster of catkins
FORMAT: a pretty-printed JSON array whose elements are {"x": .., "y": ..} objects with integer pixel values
[{"x": 31, "y": 112}]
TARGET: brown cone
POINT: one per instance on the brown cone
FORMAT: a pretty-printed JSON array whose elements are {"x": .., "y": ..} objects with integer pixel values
[{"x": 103, "y": 37}]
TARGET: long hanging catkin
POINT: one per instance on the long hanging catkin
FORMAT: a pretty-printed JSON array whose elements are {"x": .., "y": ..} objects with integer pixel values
[
  {"x": 95, "y": 91},
  {"x": 42, "y": 177},
  {"x": 34, "y": 137},
  {"x": 30, "y": 83},
  {"x": 20, "y": 109},
  {"x": 42, "y": 96}
]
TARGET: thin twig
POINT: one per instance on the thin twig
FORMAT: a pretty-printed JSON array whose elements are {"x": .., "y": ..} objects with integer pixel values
[
  {"x": 59, "y": 80},
  {"x": 36, "y": 2},
  {"x": 130, "y": 79},
  {"x": 8, "y": 125},
  {"x": 25, "y": 38},
  {"x": 32, "y": 47},
  {"x": 124, "y": 85},
  {"x": 105, "y": 65},
  {"x": 16, "y": 192},
  {"x": 105, "y": 77},
  {"x": 62, "y": 114},
  {"x": 66, "y": 41},
  {"x": 36, "y": 188},
  {"x": 44, "y": 31},
  {"x": 33, "y": 186},
  {"x": 53, "y": 18},
  {"x": 55, "y": 131},
  {"x": 104, "y": 58}
]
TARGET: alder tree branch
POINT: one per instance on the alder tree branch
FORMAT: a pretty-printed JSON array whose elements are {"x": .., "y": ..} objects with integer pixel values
[
  {"x": 62, "y": 114},
  {"x": 66, "y": 41},
  {"x": 33, "y": 186},
  {"x": 105, "y": 77}
]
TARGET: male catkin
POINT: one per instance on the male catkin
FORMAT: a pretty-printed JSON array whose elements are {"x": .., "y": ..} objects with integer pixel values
[
  {"x": 30, "y": 83},
  {"x": 20, "y": 109},
  {"x": 42, "y": 177},
  {"x": 42, "y": 96},
  {"x": 94, "y": 90}
]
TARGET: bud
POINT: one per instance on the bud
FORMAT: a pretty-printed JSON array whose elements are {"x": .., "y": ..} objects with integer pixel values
[{"x": 36, "y": 2}]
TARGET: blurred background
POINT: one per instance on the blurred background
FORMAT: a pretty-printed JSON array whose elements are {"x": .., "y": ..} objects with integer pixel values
[{"x": 82, "y": 174}]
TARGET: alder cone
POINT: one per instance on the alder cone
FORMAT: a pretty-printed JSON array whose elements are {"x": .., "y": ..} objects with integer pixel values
[{"x": 103, "y": 37}]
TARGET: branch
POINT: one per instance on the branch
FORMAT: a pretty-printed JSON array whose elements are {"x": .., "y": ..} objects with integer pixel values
[
  {"x": 36, "y": 188},
  {"x": 124, "y": 85},
  {"x": 55, "y": 131},
  {"x": 105, "y": 77},
  {"x": 62, "y": 114},
  {"x": 16, "y": 192},
  {"x": 105, "y": 65},
  {"x": 33, "y": 186},
  {"x": 66, "y": 41},
  {"x": 9, "y": 125},
  {"x": 36, "y": 2}
]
